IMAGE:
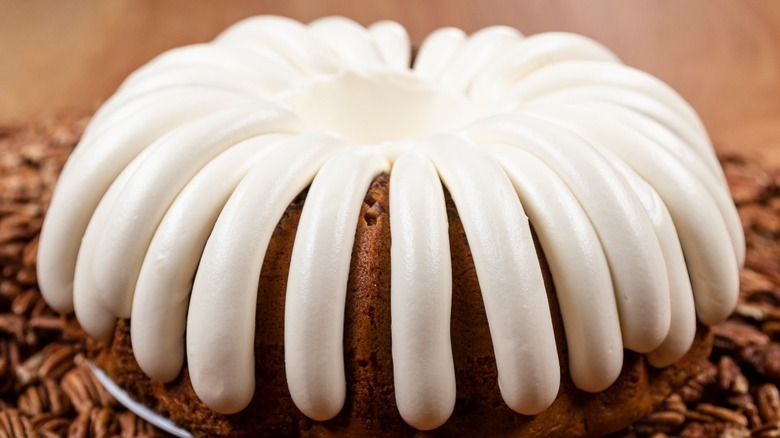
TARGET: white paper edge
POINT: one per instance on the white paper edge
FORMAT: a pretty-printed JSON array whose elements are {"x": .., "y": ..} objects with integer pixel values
[{"x": 137, "y": 408}]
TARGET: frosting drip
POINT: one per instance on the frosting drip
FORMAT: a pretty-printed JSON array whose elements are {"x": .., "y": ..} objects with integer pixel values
[{"x": 186, "y": 170}]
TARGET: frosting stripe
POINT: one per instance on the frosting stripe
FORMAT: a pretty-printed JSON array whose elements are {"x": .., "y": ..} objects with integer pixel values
[
  {"x": 625, "y": 231},
  {"x": 117, "y": 110},
  {"x": 152, "y": 188},
  {"x": 90, "y": 171},
  {"x": 573, "y": 74},
  {"x": 682, "y": 326},
  {"x": 392, "y": 43},
  {"x": 288, "y": 38},
  {"x": 205, "y": 77},
  {"x": 94, "y": 317},
  {"x": 421, "y": 294},
  {"x": 317, "y": 282},
  {"x": 682, "y": 329},
  {"x": 578, "y": 266},
  {"x": 255, "y": 64},
  {"x": 349, "y": 40},
  {"x": 162, "y": 292},
  {"x": 479, "y": 50},
  {"x": 662, "y": 138},
  {"x": 221, "y": 317},
  {"x": 508, "y": 272},
  {"x": 709, "y": 253},
  {"x": 691, "y": 134},
  {"x": 532, "y": 53},
  {"x": 437, "y": 50}
]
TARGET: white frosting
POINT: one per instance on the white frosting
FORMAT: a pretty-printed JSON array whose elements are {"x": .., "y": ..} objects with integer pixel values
[
  {"x": 231, "y": 68},
  {"x": 436, "y": 52},
  {"x": 288, "y": 38},
  {"x": 153, "y": 186},
  {"x": 392, "y": 43},
  {"x": 95, "y": 165},
  {"x": 375, "y": 98},
  {"x": 711, "y": 179},
  {"x": 508, "y": 271},
  {"x": 92, "y": 314},
  {"x": 711, "y": 260},
  {"x": 682, "y": 326},
  {"x": 317, "y": 282},
  {"x": 695, "y": 139},
  {"x": 421, "y": 294},
  {"x": 572, "y": 74},
  {"x": 578, "y": 266},
  {"x": 625, "y": 231},
  {"x": 221, "y": 356},
  {"x": 162, "y": 293},
  {"x": 351, "y": 42},
  {"x": 532, "y": 53},
  {"x": 481, "y": 49},
  {"x": 185, "y": 172}
]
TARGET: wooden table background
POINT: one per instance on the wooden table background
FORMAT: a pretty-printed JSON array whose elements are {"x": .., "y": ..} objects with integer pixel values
[{"x": 721, "y": 55}]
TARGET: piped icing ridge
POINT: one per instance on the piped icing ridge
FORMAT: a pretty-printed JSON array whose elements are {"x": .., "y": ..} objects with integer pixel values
[{"x": 184, "y": 173}]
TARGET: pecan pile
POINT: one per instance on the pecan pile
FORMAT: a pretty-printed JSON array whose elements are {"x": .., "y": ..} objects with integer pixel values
[{"x": 47, "y": 388}]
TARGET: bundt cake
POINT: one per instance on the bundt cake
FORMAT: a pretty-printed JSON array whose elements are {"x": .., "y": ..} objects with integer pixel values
[{"x": 294, "y": 229}]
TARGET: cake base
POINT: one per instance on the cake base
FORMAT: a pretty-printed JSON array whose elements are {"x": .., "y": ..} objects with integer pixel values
[
  {"x": 370, "y": 408},
  {"x": 34, "y": 155}
]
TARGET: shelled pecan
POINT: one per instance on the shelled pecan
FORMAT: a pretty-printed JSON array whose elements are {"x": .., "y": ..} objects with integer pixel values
[{"x": 46, "y": 388}]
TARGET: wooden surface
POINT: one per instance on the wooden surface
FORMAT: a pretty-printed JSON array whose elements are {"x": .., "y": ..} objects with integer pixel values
[{"x": 722, "y": 55}]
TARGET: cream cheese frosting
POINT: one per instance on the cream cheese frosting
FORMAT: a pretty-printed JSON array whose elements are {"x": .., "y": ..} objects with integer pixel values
[{"x": 184, "y": 173}]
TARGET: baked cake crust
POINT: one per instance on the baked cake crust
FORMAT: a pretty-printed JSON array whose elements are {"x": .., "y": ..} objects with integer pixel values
[{"x": 370, "y": 408}]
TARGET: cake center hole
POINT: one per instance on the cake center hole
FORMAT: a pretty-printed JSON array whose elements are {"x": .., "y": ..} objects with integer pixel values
[{"x": 372, "y": 108}]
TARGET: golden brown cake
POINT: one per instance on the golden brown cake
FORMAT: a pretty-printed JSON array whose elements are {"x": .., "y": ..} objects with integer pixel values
[
  {"x": 291, "y": 231},
  {"x": 370, "y": 408}
]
